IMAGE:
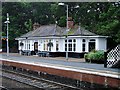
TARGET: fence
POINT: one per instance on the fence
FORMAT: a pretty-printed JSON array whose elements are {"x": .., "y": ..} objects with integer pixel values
[{"x": 112, "y": 58}]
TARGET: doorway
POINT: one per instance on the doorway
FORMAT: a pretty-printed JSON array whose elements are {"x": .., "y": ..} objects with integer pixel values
[
  {"x": 36, "y": 47},
  {"x": 91, "y": 46}
]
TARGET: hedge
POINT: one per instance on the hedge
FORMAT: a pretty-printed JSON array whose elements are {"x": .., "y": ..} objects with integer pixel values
[{"x": 95, "y": 56}]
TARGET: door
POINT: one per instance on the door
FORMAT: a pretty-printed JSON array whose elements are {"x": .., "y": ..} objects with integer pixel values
[
  {"x": 91, "y": 46},
  {"x": 36, "y": 46}
]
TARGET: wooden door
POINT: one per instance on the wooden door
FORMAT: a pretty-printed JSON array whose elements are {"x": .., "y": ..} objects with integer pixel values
[{"x": 36, "y": 46}]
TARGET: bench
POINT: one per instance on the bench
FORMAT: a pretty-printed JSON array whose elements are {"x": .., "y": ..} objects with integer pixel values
[
  {"x": 26, "y": 52},
  {"x": 43, "y": 54}
]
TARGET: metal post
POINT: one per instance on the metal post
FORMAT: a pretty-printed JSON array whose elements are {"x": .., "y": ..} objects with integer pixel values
[
  {"x": 7, "y": 36},
  {"x": 67, "y": 34},
  {"x": 7, "y": 22},
  {"x": 105, "y": 59},
  {"x": 7, "y": 42},
  {"x": 66, "y": 30}
]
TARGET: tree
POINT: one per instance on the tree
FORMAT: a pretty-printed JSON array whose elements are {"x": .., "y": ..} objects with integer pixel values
[{"x": 102, "y": 18}]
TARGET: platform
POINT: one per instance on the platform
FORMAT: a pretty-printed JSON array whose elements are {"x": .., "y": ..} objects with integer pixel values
[{"x": 73, "y": 68}]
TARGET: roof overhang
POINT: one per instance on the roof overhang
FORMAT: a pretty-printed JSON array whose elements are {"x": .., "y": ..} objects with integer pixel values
[
  {"x": 97, "y": 36},
  {"x": 57, "y": 37},
  {"x": 42, "y": 37}
]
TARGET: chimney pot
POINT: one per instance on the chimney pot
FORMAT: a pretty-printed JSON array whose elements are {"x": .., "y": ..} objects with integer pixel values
[
  {"x": 35, "y": 26},
  {"x": 70, "y": 22}
]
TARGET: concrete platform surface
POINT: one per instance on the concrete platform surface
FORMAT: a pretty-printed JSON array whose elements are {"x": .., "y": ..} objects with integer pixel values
[{"x": 62, "y": 63}]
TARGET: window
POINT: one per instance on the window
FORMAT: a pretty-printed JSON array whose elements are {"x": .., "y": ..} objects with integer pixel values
[
  {"x": 49, "y": 45},
  {"x": 44, "y": 47},
  {"x": 65, "y": 47},
  {"x": 83, "y": 40},
  {"x": 70, "y": 40},
  {"x": 57, "y": 45},
  {"x": 74, "y": 47},
  {"x": 74, "y": 40},
  {"x": 71, "y": 45},
  {"x": 29, "y": 46},
  {"x": 74, "y": 44},
  {"x": 92, "y": 40},
  {"x": 83, "y": 45},
  {"x": 65, "y": 41}
]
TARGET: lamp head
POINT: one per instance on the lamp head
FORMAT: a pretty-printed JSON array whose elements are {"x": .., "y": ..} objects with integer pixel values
[
  {"x": 7, "y": 17},
  {"x": 7, "y": 22},
  {"x": 61, "y": 4},
  {"x": 56, "y": 22},
  {"x": 77, "y": 6}
]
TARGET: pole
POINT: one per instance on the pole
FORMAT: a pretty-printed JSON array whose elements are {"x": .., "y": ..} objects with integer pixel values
[
  {"x": 67, "y": 34},
  {"x": 105, "y": 59},
  {"x": 7, "y": 42},
  {"x": 7, "y": 35}
]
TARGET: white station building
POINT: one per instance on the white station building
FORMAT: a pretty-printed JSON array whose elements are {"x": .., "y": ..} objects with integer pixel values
[{"x": 52, "y": 38}]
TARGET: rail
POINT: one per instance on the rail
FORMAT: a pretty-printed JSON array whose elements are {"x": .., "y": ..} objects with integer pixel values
[{"x": 34, "y": 76}]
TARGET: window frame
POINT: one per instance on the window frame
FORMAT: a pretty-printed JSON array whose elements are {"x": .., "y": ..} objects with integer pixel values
[{"x": 83, "y": 45}]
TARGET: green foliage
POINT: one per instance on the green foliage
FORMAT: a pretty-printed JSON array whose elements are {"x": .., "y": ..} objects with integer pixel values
[
  {"x": 28, "y": 25},
  {"x": 86, "y": 56},
  {"x": 71, "y": 31},
  {"x": 95, "y": 56},
  {"x": 62, "y": 21},
  {"x": 101, "y": 18}
]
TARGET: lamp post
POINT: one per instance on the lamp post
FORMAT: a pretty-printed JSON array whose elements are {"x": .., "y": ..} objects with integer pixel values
[
  {"x": 7, "y": 22},
  {"x": 62, "y": 4}
]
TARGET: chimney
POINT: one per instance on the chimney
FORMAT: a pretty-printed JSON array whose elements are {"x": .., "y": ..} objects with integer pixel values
[
  {"x": 35, "y": 26},
  {"x": 80, "y": 30},
  {"x": 70, "y": 22}
]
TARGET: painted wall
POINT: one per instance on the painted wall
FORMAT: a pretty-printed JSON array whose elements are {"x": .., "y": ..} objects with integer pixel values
[
  {"x": 100, "y": 44},
  {"x": 78, "y": 45}
]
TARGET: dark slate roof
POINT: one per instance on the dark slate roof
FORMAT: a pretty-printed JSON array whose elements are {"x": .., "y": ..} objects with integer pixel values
[
  {"x": 46, "y": 30},
  {"x": 53, "y": 30},
  {"x": 83, "y": 32}
]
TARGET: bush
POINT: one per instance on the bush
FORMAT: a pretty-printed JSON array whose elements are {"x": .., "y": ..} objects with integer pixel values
[{"x": 95, "y": 56}]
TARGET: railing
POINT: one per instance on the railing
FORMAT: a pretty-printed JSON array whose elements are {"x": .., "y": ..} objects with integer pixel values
[{"x": 112, "y": 57}]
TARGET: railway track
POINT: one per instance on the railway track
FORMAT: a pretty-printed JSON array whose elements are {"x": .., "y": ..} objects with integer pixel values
[{"x": 35, "y": 81}]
